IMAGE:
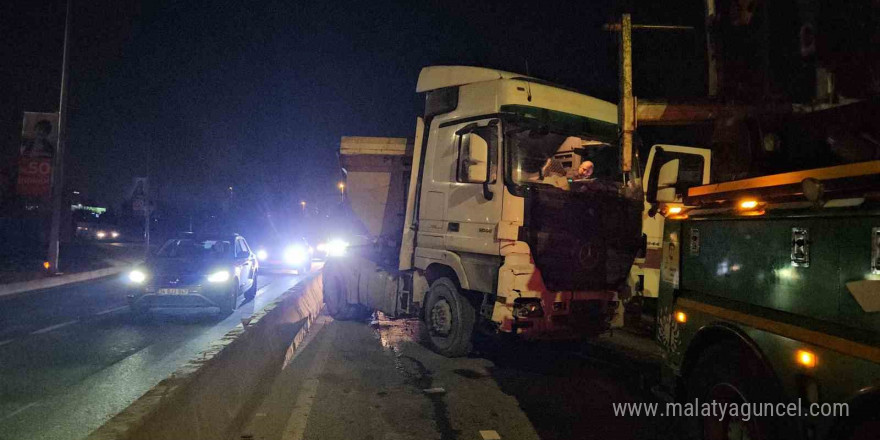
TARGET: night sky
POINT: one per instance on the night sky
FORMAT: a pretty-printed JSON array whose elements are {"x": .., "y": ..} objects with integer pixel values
[{"x": 203, "y": 95}]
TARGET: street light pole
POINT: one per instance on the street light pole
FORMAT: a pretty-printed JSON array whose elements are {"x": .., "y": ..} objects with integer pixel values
[{"x": 58, "y": 162}]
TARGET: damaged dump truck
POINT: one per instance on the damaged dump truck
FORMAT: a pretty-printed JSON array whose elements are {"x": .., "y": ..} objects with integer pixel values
[{"x": 515, "y": 210}]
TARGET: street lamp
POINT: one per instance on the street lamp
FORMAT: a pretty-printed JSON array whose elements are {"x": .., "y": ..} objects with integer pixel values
[
  {"x": 341, "y": 187},
  {"x": 303, "y": 204}
]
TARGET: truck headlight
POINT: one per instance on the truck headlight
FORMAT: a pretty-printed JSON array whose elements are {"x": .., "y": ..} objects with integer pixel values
[
  {"x": 137, "y": 276},
  {"x": 219, "y": 277}
]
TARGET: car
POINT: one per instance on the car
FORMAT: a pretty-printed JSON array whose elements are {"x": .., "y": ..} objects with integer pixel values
[
  {"x": 194, "y": 271},
  {"x": 295, "y": 254}
]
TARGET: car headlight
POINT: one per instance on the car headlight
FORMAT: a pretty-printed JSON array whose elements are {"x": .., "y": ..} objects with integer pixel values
[
  {"x": 322, "y": 247},
  {"x": 337, "y": 248},
  {"x": 262, "y": 254},
  {"x": 101, "y": 234},
  {"x": 137, "y": 276},
  {"x": 219, "y": 277},
  {"x": 114, "y": 234},
  {"x": 295, "y": 255}
]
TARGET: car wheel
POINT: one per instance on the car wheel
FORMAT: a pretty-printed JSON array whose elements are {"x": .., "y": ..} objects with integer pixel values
[
  {"x": 731, "y": 374},
  {"x": 449, "y": 319},
  {"x": 231, "y": 302},
  {"x": 252, "y": 292}
]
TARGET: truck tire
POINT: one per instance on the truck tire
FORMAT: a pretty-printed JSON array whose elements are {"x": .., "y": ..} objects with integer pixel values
[
  {"x": 449, "y": 319},
  {"x": 231, "y": 301},
  {"x": 728, "y": 372},
  {"x": 336, "y": 298}
]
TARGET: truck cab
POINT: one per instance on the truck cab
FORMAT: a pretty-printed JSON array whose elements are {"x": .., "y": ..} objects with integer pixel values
[{"x": 500, "y": 229}]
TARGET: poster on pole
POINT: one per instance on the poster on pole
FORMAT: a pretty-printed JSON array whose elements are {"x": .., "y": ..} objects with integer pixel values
[
  {"x": 39, "y": 138},
  {"x": 138, "y": 195}
]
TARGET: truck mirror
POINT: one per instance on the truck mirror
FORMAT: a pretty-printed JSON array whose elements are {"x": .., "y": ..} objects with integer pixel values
[
  {"x": 474, "y": 159},
  {"x": 667, "y": 177}
]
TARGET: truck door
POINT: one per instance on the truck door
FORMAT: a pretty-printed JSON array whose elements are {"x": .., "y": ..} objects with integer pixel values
[
  {"x": 694, "y": 166},
  {"x": 473, "y": 198}
]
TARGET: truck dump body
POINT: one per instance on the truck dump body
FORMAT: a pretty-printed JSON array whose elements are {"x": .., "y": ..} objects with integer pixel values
[{"x": 377, "y": 175}]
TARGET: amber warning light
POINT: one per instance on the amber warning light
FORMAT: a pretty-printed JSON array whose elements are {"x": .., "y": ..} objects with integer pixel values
[
  {"x": 748, "y": 204},
  {"x": 806, "y": 358}
]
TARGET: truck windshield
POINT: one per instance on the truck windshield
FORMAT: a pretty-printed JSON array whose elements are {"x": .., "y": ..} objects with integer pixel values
[{"x": 543, "y": 152}]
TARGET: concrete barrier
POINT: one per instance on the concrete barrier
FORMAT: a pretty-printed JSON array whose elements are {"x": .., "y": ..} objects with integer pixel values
[
  {"x": 209, "y": 397},
  {"x": 25, "y": 287}
]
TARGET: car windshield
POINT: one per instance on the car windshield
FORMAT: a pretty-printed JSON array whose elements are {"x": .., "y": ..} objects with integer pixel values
[{"x": 196, "y": 249}]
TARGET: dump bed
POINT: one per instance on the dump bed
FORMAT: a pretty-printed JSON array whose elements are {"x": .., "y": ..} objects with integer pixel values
[{"x": 377, "y": 178}]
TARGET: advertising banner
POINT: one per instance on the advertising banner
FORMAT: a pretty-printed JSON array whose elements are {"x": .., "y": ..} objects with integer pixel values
[{"x": 39, "y": 137}]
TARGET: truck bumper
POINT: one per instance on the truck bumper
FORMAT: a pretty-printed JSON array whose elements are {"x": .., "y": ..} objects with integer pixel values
[{"x": 557, "y": 315}]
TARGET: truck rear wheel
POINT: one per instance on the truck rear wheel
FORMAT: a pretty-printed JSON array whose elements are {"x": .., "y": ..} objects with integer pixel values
[
  {"x": 731, "y": 374},
  {"x": 449, "y": 318}
]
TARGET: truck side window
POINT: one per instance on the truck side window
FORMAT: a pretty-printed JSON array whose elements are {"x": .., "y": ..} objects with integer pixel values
[{"x": 690, "y": 171}]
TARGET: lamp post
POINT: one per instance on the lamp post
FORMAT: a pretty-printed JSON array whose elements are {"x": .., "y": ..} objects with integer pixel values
[
  {"x": 303, "y": 204},
  {"x": 57, "y": 169},
  {"x": 341, "y": 187}
]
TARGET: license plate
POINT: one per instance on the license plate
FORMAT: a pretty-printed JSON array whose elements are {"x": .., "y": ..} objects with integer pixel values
[{"x": 173, "y": 291}]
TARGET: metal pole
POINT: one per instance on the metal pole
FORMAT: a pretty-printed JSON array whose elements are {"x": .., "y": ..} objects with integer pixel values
[
  {"x": 58, "y": 162},
  {"x": 626, "y": 104}
]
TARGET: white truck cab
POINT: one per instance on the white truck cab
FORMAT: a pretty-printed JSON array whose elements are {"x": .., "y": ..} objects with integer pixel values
[{"x": 500, "y": 230}]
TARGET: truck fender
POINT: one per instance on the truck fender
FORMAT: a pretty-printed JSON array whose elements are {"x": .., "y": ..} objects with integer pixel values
[
  {"x": 427, "y": 258},
  {"x": 711, "y": 334}
]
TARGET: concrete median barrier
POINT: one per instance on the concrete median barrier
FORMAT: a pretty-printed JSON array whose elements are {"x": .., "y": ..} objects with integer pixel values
[{"x": 209, "y": 397}]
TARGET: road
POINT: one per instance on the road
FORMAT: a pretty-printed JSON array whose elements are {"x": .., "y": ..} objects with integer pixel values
[
  {"x": 357, "y": 381},
  {"x": 73, "y": 356}
]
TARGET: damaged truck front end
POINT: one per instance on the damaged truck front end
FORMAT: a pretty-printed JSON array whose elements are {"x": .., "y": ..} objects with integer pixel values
[{"x": 564, "y": 273}]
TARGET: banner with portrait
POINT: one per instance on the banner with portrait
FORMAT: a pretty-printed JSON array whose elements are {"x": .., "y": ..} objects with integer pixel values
[{"x": 39, "y": 138}]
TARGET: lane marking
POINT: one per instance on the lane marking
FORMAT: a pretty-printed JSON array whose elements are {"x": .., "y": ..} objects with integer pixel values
[
  {"x": 299, "y": 417},
  {"x": 104, "y": 312},
  {"x": 20, "y": 410},
  {"x": 54, "y": 327},
  {"x": 2, "y": 343}
]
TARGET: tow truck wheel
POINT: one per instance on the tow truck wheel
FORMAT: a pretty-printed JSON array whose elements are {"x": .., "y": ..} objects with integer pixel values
[
  {"x": 449, "y": 319},
  {"x": 730, "y": 374}
]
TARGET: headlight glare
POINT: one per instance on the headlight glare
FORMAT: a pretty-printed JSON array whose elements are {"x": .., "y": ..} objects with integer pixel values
[
  {"x": 219, "y": 277},
  {"x": 137, "y": 276},
  {"x": 295, "y": 255},
  {"x": 262, "y": 254},
  {"x": 337, "y": 248}
]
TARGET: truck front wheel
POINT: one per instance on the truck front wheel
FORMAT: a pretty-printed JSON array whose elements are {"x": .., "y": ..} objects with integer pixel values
[{"x": 449, "y": 319}]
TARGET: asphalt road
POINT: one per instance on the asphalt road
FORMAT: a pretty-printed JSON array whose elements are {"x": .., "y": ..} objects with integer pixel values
[
  {"x": 73, "y": 356},
  {"x": 357, "y": 381}
]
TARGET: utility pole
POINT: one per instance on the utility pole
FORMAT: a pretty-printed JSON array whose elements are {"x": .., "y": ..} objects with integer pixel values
[
  {"x": 626, "y": 106},
  {"x": 58, "y": 162}
]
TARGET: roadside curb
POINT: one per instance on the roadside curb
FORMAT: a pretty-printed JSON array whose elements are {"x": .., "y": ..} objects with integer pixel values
[{"x": 47, "y": 283}]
